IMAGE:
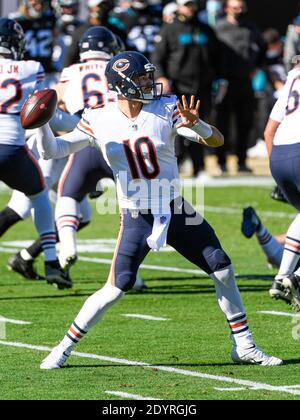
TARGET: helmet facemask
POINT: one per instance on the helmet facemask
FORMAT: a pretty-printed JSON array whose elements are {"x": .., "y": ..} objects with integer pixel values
[{"x": 139, "y": 88}]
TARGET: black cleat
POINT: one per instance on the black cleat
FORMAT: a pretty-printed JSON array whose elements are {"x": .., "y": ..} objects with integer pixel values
[
  {"x": 25, "y": 268},
  {"x": 250, "y": 223},
  {"x": 277, "y": 195},
  {"x": 278, "y": 291},
  {"x": 56, "y": 276},
  {"x": 292, "y": 286}
]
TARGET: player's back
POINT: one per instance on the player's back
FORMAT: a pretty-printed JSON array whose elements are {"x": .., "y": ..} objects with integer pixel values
[
  {"x": 86, "y": 86},
  {"x": 18, "y": 79}
]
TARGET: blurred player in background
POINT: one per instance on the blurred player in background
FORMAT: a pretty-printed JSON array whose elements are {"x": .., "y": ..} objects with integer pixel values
[
  {"x": 67, "y": 22},
  {"x": 282, "y": 137},
  {"x": 38, "y": 21}
]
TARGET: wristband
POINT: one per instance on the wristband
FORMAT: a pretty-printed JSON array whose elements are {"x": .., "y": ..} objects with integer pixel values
[{"x": 203, "y": 129}]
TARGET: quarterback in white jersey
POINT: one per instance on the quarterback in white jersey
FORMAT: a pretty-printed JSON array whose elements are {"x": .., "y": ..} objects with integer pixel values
[
  {"x": 137, "y": 138},
  {"x": 282, "y": 136}
]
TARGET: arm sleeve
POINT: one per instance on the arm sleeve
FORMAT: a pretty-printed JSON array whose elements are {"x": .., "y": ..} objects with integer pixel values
[
  {"x": 51, "y": 147},
  {"x": 63, "y": 121},
  {"x": 189, "y": 134}
]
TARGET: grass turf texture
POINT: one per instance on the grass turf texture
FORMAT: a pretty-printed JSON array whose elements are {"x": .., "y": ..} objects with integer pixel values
[{"x": 195, "y": 338}]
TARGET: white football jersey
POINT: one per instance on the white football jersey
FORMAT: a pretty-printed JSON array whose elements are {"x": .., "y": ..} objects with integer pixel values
[
  {"x": 18, "y": 79},
  {"x": 141, "y": 153},
  {"x": 287, "y": 111},
  {"x": 86, "y": 86}
]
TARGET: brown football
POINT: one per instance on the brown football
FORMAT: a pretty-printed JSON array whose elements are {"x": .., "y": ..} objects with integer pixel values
[{"x": 38, "y": 108}]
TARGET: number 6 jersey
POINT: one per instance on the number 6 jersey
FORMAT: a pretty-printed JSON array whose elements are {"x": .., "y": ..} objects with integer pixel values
[
  {"x": 86, "y": 86},
  {"x": 18, "y": 79},
  {"x": 141, "y": 153}
]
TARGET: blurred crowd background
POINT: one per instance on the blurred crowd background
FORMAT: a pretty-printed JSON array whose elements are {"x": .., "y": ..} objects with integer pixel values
[{"x": 234, "y": 55}]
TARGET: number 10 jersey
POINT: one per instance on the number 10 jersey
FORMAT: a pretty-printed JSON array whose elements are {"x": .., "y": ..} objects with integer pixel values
[{"x": 141, "y": 153}]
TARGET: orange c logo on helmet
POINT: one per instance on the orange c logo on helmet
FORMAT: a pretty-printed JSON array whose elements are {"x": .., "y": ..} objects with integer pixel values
[{"x": 121, "y": 65}]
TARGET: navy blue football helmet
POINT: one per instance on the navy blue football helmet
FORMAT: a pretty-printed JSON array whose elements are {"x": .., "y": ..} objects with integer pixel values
[
  {"x": 123, "y": 72},
  {"x": 97, "y": 42},
  {"x": 12, "y": 39}
]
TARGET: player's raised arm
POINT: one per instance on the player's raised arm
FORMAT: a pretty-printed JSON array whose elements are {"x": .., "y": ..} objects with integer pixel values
[{"x": 193, "y": 128}]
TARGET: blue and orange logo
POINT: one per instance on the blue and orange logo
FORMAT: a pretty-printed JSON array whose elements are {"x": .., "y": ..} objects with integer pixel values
[{"x": 121, "y": 65}]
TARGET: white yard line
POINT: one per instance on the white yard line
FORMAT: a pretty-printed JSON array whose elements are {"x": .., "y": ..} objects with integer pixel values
[
  {"x": 145, "y": 266},
  {"x": 231, "y": 389},
  {"x": 233, "y": 211},
  {"x": 245, "y": 383},
  {"x": 287, "y": 314},
  {"x": 147, "y": 317},
  {"x": 13, "y": 321},
  {"x": 130, "y": 396}
]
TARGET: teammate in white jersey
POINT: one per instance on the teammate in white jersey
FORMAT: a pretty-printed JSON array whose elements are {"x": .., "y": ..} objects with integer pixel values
[
  {"x": 18, "y": 167},
  {"x": 137, "y": 138},
  {"x": 86, "y": 168},
  {"x": 282, "y": 136}
]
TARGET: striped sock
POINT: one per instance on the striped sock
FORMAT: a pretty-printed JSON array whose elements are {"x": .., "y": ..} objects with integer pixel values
[
  {"x": 48, "y": 242},
  {"x": 73, "y": 336},
  {"x": 291, "y": 253},
  {"x": 290, "y": 258},
  {"x": 240, "y": 331},
  {"x": 67, "y": 221},
  {"x": 270, "y": 246}
]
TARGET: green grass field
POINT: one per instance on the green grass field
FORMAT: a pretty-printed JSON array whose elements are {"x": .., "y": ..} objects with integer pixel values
[{"x": 191, "y": 350}]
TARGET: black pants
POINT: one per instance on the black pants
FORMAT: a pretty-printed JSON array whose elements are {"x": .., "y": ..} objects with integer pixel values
[{"x": 240, "y": 102}]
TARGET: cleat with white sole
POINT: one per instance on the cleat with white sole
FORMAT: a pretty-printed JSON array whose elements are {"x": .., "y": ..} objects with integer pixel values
[
  {"x": 56, "y": 359},
  {"x": 254, "y": 356},
  {"x": 292, "y": 286},
  {"x": 67, "y": 261},
  {"x": 278, "y": 291}
]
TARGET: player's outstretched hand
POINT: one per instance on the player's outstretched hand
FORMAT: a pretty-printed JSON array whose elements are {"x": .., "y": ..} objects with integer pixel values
[{"x": 189, "y": 113}]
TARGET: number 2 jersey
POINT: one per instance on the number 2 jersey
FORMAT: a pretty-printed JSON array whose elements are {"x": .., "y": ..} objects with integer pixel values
[
  {"x": 286, "y": 111},
  {"x": 86, "y": 86},
  {"x": 141, "y": 153},
  {"x": 18, "y": 79}
]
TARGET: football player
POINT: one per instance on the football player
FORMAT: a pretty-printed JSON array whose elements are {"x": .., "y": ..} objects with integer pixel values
[
  {"x": 18, "y": 167},
  {"x": 136, "y": 135},
  {"x": 282, "y": 137},
  {"x": 85, "y": 168},
  {"x": 38, "y": 21},
  {"x": 67, "y": 22}
]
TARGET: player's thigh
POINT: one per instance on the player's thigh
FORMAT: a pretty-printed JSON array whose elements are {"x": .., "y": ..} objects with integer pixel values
[
  {"x": 192, "y": 236},
  {"x": 131, "y": 248},
  {"x": 20, "y": 170}
]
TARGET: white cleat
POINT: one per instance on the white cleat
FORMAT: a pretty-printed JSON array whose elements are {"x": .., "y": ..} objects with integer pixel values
[
  {"x": 255, "y": 356},
  {"x": 55, "y": 359}
]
